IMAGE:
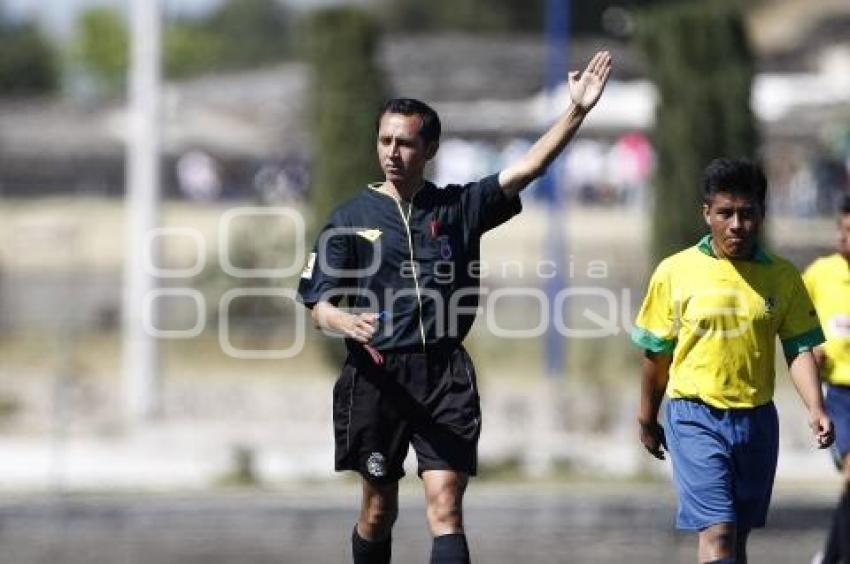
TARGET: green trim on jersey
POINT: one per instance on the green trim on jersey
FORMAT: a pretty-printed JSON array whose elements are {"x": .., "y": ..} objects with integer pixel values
[
  {"x": 759, "y": 256},
  {"x": 802, "y": 343},
  {"x": 646, "y": 340}
]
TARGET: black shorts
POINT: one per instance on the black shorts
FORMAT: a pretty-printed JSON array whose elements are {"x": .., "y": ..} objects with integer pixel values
[{"x": 429, "y": 400}]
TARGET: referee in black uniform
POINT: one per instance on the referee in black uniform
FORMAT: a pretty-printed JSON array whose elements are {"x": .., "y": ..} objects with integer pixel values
[{"x": 402, "y": 256}]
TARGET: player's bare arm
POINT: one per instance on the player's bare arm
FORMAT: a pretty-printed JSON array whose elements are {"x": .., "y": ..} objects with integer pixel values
[
  {"x": 804, "y": 374},
  {"x": 820, "y": 355},
  {"x": 585, "y": 89},
  {"x": 361, "y": 327},
  {"x": 655, "y": 372}
]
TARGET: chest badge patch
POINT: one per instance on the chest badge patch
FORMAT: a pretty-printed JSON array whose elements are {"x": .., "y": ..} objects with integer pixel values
[
  {"x": 434, "y": 227},
  {"x": 370, "y": 235},
  {"x": 445, "y": 248},
  {"x": 769, "y": 305}
]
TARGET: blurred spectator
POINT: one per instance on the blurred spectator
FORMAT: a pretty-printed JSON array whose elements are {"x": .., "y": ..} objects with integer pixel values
[
  {"x": 831, "y": 179},
  {"x": 585, "y": 167},
  {"x": 802, "y": 192},
  {"x": 198, "y": 176},
  {"x": 595, "y": 172},
  {"x": 460, "y": 161},
  {"x": 282, "y": 181},
  {"x": 629, "y": 167}
]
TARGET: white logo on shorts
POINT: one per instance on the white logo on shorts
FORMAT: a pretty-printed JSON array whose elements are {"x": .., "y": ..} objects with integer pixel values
[{"x": 376, "y": 465}]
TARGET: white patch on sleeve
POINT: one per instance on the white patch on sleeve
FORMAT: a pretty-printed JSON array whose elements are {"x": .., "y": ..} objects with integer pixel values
[
  {"x": 308, "y": 268},
  {"x": 839, "y": 326}
]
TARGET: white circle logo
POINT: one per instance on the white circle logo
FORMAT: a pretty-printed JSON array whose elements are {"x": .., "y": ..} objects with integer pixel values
[{"x": 376, "y": 465}]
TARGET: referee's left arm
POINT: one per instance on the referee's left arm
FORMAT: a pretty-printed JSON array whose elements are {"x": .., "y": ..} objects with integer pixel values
[
  {"x": 517, "y": 176},
  {"x": 585, "y": 90}
]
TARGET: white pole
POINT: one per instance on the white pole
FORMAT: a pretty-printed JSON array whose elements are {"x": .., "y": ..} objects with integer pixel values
[{"x": 141, "y": 352}]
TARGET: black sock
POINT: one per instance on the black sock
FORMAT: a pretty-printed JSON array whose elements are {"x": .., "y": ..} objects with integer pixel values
[
  {"x": 370, "y": 552},
  {"x": 832, "y": 552},
  {"x": 837, "y": 548},
  {"x": 450, "y": 549},
  {"x": 843, "y": 527}
]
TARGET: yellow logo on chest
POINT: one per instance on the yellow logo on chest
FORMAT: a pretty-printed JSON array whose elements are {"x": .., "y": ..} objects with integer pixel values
[{"x": 370, "y": 235}]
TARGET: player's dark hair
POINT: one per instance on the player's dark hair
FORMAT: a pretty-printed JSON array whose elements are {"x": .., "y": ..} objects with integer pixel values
[
  {"x": 844, "y": 206},
  {"x": 431, "y": 128},
  {"x": 740, "y": 177}
]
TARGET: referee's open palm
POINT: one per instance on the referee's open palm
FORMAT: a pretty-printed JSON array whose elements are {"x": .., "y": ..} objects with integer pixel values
[{"x": 586, "y": 87}]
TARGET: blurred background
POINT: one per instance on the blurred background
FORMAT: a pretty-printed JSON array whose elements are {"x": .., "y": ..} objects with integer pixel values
[{"x": 164, "y": 165}]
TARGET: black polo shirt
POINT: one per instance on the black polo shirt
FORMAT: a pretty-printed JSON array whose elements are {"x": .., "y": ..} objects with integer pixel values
[{"x": 416, "y": 261}]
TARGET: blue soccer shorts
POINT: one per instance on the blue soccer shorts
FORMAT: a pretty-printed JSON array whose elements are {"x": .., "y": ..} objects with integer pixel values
[
  {"x": 838, "y": 405},
  {"x": 724, "y": 462}
]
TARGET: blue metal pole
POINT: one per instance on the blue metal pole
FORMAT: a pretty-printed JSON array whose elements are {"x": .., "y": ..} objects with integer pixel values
[{"x": 552, "y": 183}]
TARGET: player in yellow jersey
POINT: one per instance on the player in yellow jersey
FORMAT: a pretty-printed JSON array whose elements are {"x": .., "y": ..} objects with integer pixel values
[
  {"x": 708, "y": 326},
  {"x": 828, "y": 282}
]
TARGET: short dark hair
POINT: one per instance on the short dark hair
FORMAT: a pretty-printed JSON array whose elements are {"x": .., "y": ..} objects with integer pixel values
[
  {"x": 844, "y": 206},
  {"x": 431, "y": 128},
  {"x": 734, "y": 176}
]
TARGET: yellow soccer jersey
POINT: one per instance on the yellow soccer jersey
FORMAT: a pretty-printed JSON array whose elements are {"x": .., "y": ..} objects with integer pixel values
[
  {"x": 720, "y": 319},
  {"x": 828, "y": 282}
]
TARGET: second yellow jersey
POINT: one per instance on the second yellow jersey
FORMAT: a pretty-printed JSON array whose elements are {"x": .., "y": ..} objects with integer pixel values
[
  {"x": 828, "y": 282},
  {"x": 720, "y": 319}
]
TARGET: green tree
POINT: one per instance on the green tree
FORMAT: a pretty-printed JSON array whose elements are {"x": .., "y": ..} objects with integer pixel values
[
  {"x": 503, "y": 16},
  {"x": 700, "y": 60},
  {"x": 239, "y": 34},
  {"x": 462, "y": 15},
  {"x": 252, "y": 31},
  {"x": 347, "y": 91},
  {"x": 28, "y": 63},
  {"x": 103, "y": 46},
  {"x": 191, "y": 50}
]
